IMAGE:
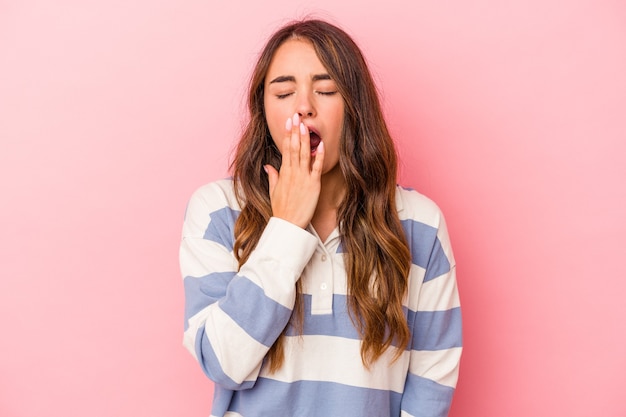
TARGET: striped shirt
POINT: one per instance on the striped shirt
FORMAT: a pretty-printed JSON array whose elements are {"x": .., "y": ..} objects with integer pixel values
[{"x": 233, "y": 316}]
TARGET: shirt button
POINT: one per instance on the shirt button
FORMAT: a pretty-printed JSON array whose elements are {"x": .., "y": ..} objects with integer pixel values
[
  {"x": 323, "y": 258},
  {"x": 323, "y": 286}
]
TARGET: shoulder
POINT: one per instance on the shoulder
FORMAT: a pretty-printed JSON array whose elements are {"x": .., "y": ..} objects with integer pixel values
[
  {"x": 214, "y": 196},
  {"x": 424, "y": 226},
  {"x": 412, "y": 205},
  {"x": 215, "y": 201}
]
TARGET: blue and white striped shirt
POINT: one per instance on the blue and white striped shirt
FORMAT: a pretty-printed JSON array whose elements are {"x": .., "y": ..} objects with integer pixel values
[{"x": 233, "y": 317}]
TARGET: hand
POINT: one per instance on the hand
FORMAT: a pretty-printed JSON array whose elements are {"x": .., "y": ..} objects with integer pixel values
[{"x": 294, "y": 191}]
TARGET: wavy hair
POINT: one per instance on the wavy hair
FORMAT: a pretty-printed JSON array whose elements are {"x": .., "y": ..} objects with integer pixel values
[{"x": 376, "y": 254}]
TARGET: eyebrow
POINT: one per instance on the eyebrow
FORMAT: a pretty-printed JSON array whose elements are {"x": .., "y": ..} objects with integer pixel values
[
  {"x": 318, "y": 77},
  {"x": 291, "y": 78}
]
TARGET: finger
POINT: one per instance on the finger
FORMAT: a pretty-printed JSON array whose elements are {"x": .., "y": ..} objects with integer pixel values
[
  {"x": 294, "y": 151},
  {"x": 318, "y": 163},
  {"x": 305, "y": 146},
  {"x": 286, "y": 159}
]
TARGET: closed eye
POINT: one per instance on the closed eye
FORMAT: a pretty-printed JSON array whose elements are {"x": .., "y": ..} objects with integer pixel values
[
  {"x": 282, "y": 96},
  {"x": 326, "y": 93}
]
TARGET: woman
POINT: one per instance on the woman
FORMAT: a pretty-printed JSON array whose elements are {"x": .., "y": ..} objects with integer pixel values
[{"x": 314, "y": 285}]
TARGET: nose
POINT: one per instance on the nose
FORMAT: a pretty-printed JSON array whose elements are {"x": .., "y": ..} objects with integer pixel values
[{"x": 304, "y": 105}]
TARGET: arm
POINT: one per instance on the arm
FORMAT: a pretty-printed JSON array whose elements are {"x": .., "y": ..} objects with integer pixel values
[
  {"x": 437, "y": 338},
  {"x": 233, "y": 317}
]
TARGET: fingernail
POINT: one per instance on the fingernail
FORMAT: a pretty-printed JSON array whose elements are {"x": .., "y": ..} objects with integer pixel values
[
  {"x": 288, "y": 124},
  {"x": 303, "y": 129},
  {"x": 296, "y": 119}
]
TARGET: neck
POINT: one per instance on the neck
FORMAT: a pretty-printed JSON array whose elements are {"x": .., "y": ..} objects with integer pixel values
[{"x": 333, "y": 190}]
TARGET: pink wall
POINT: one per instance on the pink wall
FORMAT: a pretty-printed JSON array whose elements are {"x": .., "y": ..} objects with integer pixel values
[{"x": 510, "y": 114}]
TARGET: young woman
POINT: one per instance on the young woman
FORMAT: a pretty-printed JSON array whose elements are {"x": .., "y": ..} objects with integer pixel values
[{"x": 315, "y": 286}]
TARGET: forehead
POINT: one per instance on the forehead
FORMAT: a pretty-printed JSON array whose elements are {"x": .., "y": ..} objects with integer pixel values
[{"x": 295, "y": 57}]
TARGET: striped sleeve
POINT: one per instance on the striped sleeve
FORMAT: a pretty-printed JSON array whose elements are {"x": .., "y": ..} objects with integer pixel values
[
  {"x": 232, "y": 317},
  {"x": 435, "y": 320}
]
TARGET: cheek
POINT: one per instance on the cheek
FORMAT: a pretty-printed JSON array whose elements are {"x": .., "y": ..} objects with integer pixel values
[
  {"x": 276, "y": 131},
  {"x": 338, "y": 115},
  {"x": 275, "y": 121}
]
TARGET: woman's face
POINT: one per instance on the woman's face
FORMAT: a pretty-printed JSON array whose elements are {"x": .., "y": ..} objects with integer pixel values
[{"x": 297, "y": 82}]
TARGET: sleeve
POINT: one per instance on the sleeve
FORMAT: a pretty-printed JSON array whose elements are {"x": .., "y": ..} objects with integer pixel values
[
  {"x": 436, "y": 331},
  {"x": 233, "y": 317}
]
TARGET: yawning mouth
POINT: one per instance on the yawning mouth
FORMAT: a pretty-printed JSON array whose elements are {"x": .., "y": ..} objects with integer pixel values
[{"x": 315, "y": 141}]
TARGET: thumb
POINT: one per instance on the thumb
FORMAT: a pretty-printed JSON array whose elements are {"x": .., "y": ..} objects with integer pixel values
[{"x": 272, "y": 176}]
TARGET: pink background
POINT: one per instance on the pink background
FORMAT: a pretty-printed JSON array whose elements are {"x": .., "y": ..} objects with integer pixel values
[{"x": 510, "y": 114}]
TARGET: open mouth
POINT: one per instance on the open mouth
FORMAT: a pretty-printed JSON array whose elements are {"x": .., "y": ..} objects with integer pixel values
[{"x": 315, "y": 141}]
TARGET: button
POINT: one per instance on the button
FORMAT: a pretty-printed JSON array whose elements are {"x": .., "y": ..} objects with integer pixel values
[
  {"x": 323, "y": 258},
  {"x": 323, "y": 286}
]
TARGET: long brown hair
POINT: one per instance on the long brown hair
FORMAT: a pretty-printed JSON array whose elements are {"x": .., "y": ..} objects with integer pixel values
[{"x": 376, "y": 253}]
